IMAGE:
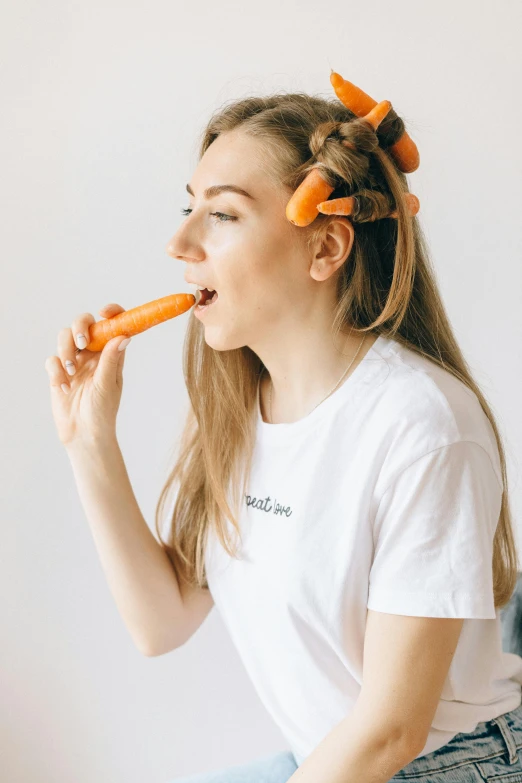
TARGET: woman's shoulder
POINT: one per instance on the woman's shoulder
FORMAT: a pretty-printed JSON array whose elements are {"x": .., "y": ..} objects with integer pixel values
[{"x": 425, "y": 404}]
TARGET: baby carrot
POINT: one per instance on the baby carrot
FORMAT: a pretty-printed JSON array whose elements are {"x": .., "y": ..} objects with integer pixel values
[
  {"x": 346, "y": 204},
  {"x": 376, "y": 115},
  {"x": 302, "y": 207},
  {"x": 138, "y": 319},
  {"x": 404, "y": 150},
  {"x": 337, "y": 206},
  {"x": 412, "y": 203}
]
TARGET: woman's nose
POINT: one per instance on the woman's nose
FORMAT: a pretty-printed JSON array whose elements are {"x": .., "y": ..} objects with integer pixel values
[{"x": 175, "y": 249}]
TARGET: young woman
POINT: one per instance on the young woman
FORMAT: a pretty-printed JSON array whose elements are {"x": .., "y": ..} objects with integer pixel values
[{"x": 340, "y": 492}]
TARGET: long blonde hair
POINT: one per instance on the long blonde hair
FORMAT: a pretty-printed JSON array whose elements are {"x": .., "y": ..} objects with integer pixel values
[{"x": 387, "y": 286}]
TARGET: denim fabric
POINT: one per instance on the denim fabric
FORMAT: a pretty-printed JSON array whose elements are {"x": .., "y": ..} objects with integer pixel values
[
  {"x": 275, "y": 768},
  {"x": 492, "y": 753},
  {"x": 511, "y": 621}
]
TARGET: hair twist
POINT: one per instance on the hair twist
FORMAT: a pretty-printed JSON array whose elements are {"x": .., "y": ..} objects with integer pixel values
[
  {"x": 371, "y": 205},
  {"x": 339, "y": 149},
  {"x": 357, "y": 135}
]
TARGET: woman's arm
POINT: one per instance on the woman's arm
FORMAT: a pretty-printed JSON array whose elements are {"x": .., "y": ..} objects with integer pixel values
[{"x": 138, "y": 570}]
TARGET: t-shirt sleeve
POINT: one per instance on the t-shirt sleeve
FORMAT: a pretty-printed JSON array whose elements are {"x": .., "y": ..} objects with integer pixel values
[{"x": 433, "y": 536}]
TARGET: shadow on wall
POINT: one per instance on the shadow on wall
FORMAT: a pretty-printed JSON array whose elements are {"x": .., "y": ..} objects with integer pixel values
[{"x": 511, "y": 621}]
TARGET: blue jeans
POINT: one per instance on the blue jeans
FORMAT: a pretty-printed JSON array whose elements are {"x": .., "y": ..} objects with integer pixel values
[
  {"x": 492, "y": 752},
  {"x": 511, "y": 621}
]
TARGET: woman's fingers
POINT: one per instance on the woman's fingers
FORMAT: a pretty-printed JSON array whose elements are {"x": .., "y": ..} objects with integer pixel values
[
  {"x": 65, "y": 351},
  {"x": 80, "y": 328},
  {"x": 68, "y": 339},
  {"x": 111, "y": 309},
  {"x": 56, "y": 374},
  {"x": 60, "y": 368}
]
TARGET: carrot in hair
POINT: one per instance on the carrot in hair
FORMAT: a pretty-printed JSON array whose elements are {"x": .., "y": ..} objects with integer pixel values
[
  {"x": 138, "y": 319},
  {"x": 404, "y": 150},
  {"x": 376, "y": 115},
  {"x": 412, "y": 203},
  {"x": 346, "y": 204},
  {"x": 337, "y": 206},
  {"x": 302, "y": 207}
]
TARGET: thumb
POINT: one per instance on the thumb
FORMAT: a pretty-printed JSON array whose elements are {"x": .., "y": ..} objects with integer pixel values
[{"x": 109, "y": 368}]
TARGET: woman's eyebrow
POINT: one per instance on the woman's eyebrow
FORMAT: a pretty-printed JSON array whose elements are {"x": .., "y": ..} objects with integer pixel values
[{"x": 215, "y": 190}]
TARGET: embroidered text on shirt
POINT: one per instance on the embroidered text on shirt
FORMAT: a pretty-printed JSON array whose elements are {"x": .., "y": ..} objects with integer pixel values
[{"x": 275, "y": 508}]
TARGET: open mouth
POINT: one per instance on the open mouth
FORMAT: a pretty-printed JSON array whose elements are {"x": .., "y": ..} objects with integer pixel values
[{"x": 206, "y": 299}]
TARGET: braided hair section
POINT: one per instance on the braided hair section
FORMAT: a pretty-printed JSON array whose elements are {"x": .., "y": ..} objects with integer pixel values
[{"x": 343, "y": 149}]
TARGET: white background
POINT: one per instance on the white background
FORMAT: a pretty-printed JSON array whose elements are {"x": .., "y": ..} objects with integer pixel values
[{"x": 102, "y": 104}]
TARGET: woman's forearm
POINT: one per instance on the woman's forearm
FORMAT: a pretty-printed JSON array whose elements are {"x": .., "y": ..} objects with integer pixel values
[
  {"x": 356, "y": 751},
  {"x": 139, "y": 572}
]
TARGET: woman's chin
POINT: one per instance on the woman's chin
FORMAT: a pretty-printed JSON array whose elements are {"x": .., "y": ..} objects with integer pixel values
[{"x": 220, "y": 342}]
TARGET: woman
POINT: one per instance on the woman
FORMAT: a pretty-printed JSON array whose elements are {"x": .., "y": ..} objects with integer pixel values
[{"x": 341, "y": 490}]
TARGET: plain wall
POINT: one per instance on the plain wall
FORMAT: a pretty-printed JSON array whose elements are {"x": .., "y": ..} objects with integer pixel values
[{"x": 102, "y": 106}]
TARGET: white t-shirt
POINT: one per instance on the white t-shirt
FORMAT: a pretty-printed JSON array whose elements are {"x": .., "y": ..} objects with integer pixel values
[{"x": 385, "y": 496}]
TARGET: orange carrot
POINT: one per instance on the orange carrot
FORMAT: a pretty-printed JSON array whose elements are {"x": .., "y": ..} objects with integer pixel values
[
  {"x": 302, "y": 207},
  {"x": 138, "y": 319},
  {"x": 337, "y": 206},
  {"x": 413, "y": 204},
  {"x": 345, "y": 205},
  {"x": 376, "y": 115},
  {"x": 404, "y": 151}
]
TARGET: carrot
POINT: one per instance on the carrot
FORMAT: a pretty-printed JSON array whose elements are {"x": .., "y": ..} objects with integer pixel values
[
  {"x": 337, "y": 206},
  {"x": 376, "y": 115},
  {"x": 413, "y": 204},
  {"x": 404, "y": 151},
  {"x": 301, "y": 209},
  {"x": 138, "y": 319},
  {"x": 345, "y": 206}
]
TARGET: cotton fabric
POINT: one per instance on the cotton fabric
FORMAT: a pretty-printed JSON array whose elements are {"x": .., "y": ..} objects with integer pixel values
[
  {"x": 492, "y": 752},
  {"x": 385, "y": 497}
]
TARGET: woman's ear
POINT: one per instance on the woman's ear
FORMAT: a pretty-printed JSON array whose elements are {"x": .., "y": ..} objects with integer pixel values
[{"x": 332, "y": 248}]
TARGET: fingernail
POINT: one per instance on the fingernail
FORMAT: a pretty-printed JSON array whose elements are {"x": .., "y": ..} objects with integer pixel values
[
  {"x": 124, "y": 343},
  {"x": 69, "y": 366},
  {"x": 81, "y": 342},
  {"x": 65, "y": 388}
]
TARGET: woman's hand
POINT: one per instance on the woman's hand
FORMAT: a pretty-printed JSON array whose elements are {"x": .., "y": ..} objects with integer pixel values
[{"x": 88, "y": 409}]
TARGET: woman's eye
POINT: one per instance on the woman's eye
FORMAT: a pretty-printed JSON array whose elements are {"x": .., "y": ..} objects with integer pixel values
[{"x": 218, "y": 215}]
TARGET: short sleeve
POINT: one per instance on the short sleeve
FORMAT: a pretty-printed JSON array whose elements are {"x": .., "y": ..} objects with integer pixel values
[
  {"x": 433, "y": 536},
  {"x": 166, "y": 518}
]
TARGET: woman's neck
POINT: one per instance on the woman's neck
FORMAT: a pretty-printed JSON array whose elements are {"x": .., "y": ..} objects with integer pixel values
[{"x": 286, "y": 408}]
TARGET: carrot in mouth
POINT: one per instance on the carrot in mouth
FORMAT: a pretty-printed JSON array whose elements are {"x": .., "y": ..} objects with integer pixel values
[{"x": 138, "y": 319}]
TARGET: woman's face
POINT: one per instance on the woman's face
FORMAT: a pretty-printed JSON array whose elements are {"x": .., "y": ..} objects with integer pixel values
[{"x": 250, "y": 253}]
